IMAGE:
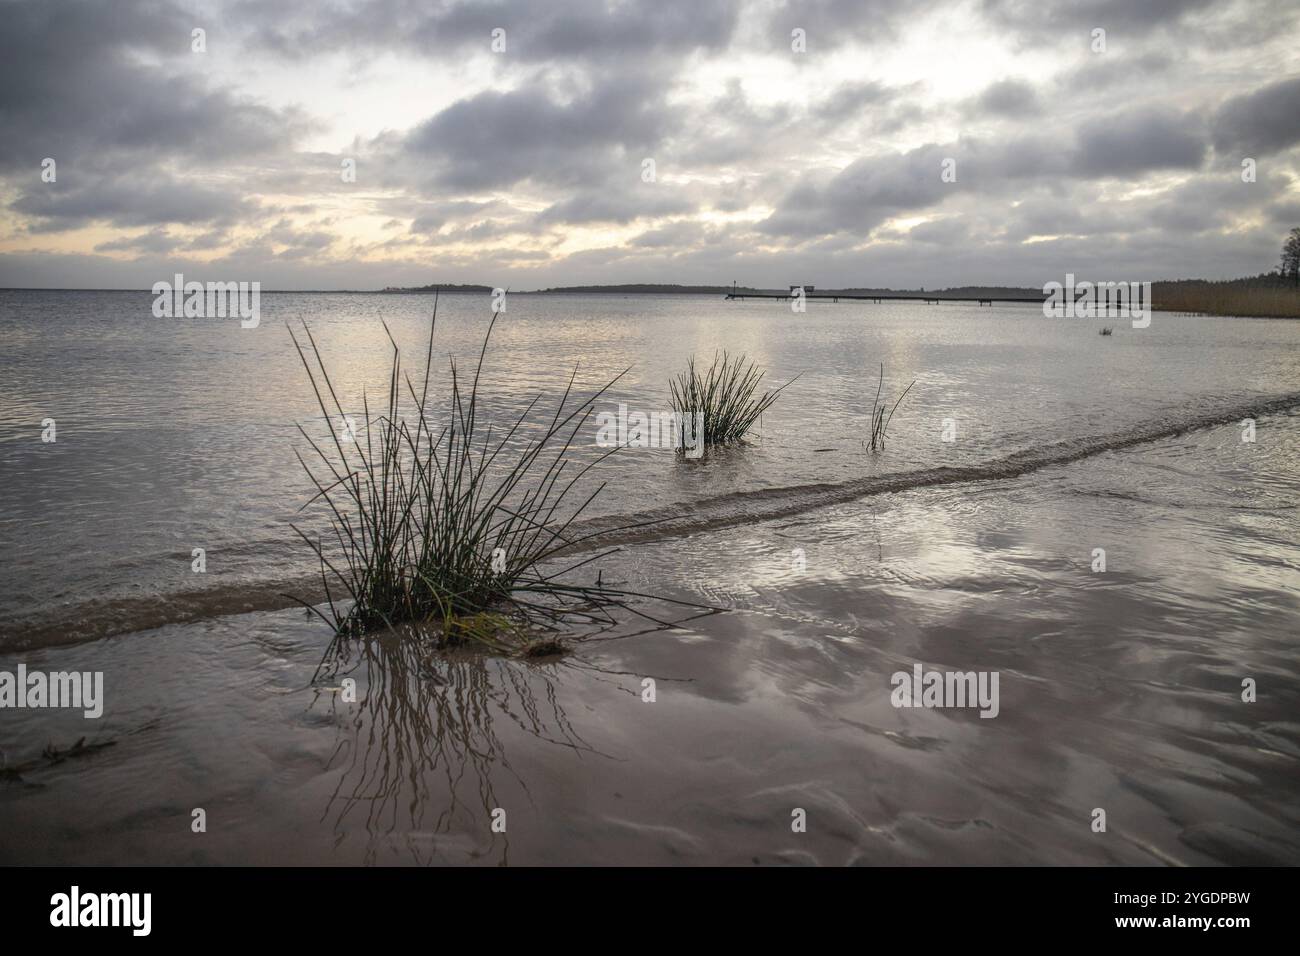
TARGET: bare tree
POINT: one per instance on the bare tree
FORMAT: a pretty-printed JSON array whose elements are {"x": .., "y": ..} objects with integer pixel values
[{"x": 1291, "y": 256}]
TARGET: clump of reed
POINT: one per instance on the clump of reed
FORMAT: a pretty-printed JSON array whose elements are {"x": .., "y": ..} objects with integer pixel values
[
  {"x": 879, "y": 420},
  {"x": 725, "y": 397},
  {"x": 1227, "y": 298},
  {"x": 453, "y": 525}
]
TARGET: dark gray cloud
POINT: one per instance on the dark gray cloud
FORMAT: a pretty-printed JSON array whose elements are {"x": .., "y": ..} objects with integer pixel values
[
  {"x": 1216, "y": 200},
  {"x": 864, "y": 194},
  {"x": 430, "y": 217},
  {"x": 874, "y": 189},
  {"x": 157, "y": 240},
  {"x": 1261, "y": 122},
  {"x": 495, "y": 140},
  {"x": 300, "y": 242},
  {"x": 1139, "y": 141},
  {"x": 618, "y": 204},
  {"x": 1118, "y": 16},
  {"x": 127, "y": 200},
  {"x": 831, "y": 24},
  {"x": 75, "y": 86},
  {"x": 1286, "y": 213},
  {"x": 535, "y": 30},
  {"x": 1009, "y": 98}
]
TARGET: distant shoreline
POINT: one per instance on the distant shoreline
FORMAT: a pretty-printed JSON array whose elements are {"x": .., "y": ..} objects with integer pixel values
[{"x": 1263, "y": 297}]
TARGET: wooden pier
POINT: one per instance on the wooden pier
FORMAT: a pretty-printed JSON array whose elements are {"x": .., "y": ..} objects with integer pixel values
[{"x": 929, "y": 299}]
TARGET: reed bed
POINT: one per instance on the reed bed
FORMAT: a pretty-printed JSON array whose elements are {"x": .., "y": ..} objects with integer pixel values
[
  {"x": 726, "y": 396},
  {"x": 456, "y": 525},
  {"x": 1229, "y": 298}
]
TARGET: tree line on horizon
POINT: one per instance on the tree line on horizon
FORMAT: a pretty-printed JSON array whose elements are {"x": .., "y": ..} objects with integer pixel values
[{"x": 1287, "y": 273}]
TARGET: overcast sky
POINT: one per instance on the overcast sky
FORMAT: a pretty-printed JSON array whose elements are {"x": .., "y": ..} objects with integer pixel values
[{"x": 527, "y": 167}]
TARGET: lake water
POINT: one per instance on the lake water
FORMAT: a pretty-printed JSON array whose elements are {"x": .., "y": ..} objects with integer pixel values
[{"x": 1120, "y": 690}]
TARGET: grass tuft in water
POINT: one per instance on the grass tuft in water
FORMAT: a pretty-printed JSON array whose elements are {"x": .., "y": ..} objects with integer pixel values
[
  {"x": 452, "y": 525},
  {"x": 879, "y": 420},
  {"x": 725, "y": 396}
]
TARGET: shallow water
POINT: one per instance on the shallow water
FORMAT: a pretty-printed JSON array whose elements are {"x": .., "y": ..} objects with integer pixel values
[
  {"x": 180, "y": 434},
  {"x": 1119, "y": 690}
]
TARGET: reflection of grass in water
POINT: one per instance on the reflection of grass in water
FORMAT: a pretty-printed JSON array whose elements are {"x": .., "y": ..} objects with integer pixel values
[{"x": 423, "y": 717}]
